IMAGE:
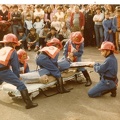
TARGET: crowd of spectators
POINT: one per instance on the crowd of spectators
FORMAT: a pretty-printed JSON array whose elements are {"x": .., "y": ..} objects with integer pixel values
[{"x": 34, "y": 24}]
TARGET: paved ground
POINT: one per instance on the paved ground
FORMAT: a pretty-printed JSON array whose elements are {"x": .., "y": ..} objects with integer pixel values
[{"x": 75, "y": 105}]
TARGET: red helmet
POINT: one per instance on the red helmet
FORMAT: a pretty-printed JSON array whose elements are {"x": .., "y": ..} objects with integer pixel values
[
  {"x": 22, "y": 55},
  {"x": 76, "y": 37},
  {"x": 55, "y": 41},
  {"x": 108, "y": 46},
  {"x": 10, "y": 38}
]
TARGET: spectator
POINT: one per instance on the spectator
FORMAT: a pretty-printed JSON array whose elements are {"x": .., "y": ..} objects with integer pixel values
[
  {"x": 32, "y": 39},
  {"x": 56, "y": 24},
  {"x": 68, "y": 18},
  {"x": 89, "y": 26},
  {"x": 42, "y": 35},
  {"x": 98, "y": 18},
  {"x": 16, "y": 19},
  {"x": 65, "y": 34},
  {"x": 39, "y": 12},
  {"x": 59, "y": 14},
  {"x": 28, "y": 24},
  {"x": 109, "y": 29},
  {"x": 27, "y": 11},
  {"x": 52, "y": 34},
  {"x": 4, "y": 14},
  {"x": 38, "y": 24},
  {"x": 116, "y": 24},
  {"x": 48, "y": 16},
  {"x": 77, "y": 19},
  {"x": 22, "y": 38}
]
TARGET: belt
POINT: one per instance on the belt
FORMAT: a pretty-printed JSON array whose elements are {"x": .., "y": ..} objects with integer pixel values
[
  {"x": 4, "y": 68},
  {"x": 110, "y": 78}
]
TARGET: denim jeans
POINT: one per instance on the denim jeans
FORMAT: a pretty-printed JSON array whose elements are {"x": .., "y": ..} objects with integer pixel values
[
  {"x": 99, "y": 34},
  {"x": 9, "y": 77},
  {"x": 15, "y": 29}
]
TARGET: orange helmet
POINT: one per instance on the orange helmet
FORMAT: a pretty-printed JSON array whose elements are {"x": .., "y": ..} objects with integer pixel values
[
  {"x": 108, "y": 46},
  {"x": 55, "y": 41},
  {"x": 22, "y": 55},
  {"x": 76, "y": 37},
  {"x": 10, "y": 38}
]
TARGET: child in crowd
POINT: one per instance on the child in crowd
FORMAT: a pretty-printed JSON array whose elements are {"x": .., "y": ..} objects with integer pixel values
[
  {"x": 109, "y": 29},
  {"x": 28, "y": 24},
  {"x": 56, "y": 24},
  {"x": 32, "y": 39},
  {"x": 38, "y": 24},
  {"x": 22, "y": 38}
]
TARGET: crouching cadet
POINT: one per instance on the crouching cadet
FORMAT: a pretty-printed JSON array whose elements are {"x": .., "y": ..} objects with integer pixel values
[
  {"x": 48, "y": 58},
  {"x": 107, "y": 71},
  {"x": 23, "y": 57},
  {"x": 73, "y": 50},
  {"x": 9, "y": 58}
]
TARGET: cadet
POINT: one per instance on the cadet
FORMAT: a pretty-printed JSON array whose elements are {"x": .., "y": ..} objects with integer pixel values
[
  {"x": 73, "y": 50},
  {"x": 23, "y": 57},
  {"x": 9, "y": 58},
  {"x": 48, "y": 59},
  {"x": 107, "y": 71}
]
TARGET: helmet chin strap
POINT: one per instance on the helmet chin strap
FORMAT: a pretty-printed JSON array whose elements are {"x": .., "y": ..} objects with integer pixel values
[{"x": 107, "y": 53}]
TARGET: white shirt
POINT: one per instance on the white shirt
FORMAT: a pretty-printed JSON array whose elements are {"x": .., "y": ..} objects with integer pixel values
[{"x": 98, "y": 17}]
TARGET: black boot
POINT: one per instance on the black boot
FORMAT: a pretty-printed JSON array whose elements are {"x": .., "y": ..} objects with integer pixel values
[
  {"x": 27, "y": 100},
  {"x": 88, "y": 79},
  {"x": 113, "y": 92},
  {"x": 61, "y": 88}
]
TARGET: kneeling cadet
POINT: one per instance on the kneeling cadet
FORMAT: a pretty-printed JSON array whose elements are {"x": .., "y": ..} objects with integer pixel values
[
  {"x": 73, "y": 51},
  {"x": 107, "y": 71},
  {"x": 48, "y": 58},
  {"x": 9, "y": 58}
]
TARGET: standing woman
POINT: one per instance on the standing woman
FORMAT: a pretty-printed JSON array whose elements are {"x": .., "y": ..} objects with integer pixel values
[{"x": 48, "y": 16}]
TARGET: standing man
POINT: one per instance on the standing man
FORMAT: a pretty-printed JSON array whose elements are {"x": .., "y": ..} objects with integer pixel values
[
  {"x": 16, "y": 19},
  {"x": 89, "y": 26},
  {"x": 77, "y": 19}
]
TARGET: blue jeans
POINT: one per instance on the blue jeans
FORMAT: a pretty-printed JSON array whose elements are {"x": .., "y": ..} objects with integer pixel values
[
  {"x": 99, "y": 34},
  {"x": 100, "y": 87},
  {"x": 9, "y": 77},
  {"x": 15, "y": 29}
]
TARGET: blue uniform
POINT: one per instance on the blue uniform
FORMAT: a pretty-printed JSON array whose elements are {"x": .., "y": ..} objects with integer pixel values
[
  {"x": 77, "y": 54},
  {"x": 50, "y": 64},
  {"x": 108, "y": 69},
  {"x": 12, "y": 76},
  {"x": 26, "y": 69},
  {"x": 108, "y": 25}
]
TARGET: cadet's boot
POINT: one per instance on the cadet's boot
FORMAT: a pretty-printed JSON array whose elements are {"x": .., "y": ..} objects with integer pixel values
[
  {"x": 61, "y": 88},
  {"x": 113, "y": 92},
  {"x": 88, "y": 79},
  {"x": 27, "y": 100}
]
